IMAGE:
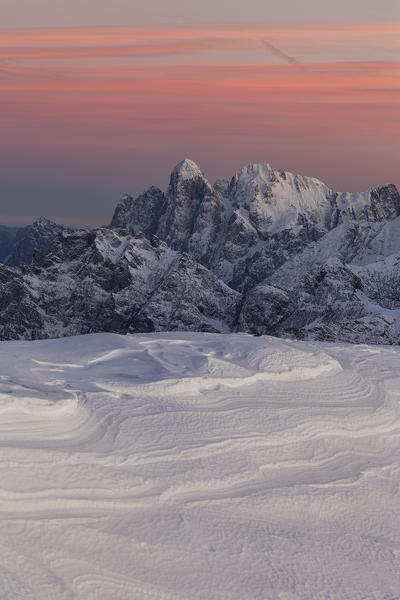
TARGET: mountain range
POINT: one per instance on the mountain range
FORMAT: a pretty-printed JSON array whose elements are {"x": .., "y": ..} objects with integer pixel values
[{"x": 267, "y": 252}]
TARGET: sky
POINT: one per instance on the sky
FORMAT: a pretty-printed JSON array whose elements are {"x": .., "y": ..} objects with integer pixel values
[{"x": 101, "y": 98}]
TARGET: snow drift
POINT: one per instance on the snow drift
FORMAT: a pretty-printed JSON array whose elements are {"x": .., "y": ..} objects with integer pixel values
[{"x": 184, "y": 466}]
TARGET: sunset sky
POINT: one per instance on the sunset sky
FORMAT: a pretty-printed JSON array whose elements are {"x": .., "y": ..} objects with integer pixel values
[{"x": 98, "y": 98}]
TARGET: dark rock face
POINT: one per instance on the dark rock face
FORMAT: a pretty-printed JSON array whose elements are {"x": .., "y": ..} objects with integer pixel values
[
  {"x": 263, "y": 310},
  {"x": 9, "y": 238},
  {"x": 38, "y": 236},
  {"x": 184, "y": 197},
  {"x": 189, "y": 298},
  {"x": 107, "y": 280},
  {"x": 385, "y": 203},
  {"x": 330, "y": 303},
  {"x": 327, "y": 296},
  {"x": 378, "y": 205},
  {"x": 141, "y": 214}
]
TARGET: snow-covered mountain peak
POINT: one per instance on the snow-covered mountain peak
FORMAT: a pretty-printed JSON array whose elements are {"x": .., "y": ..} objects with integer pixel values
[
  {"x": 254, "y": 171},
  {"x": 140, "y": 214},
  {"x": 186, "y": 169},
  {"x": 278, "y": 200},
  {"x": 42, "y": 221},
  {"x": 246, "y": 229},
  {"x": 39, "y": 236},
  {"x": 263, "y": 174}
]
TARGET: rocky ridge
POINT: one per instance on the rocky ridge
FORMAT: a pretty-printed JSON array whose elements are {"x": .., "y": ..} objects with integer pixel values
[
  {"x": 268, "y": 252},
  {"x": 245, "y": 229},
  {"x": 38, "y": 236},
  {"x": 9, "y": 238},
  {"x": 107, "y": 280}
]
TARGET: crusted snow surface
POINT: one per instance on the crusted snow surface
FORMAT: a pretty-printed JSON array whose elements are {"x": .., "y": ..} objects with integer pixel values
[{"x": 185, "y": 466}]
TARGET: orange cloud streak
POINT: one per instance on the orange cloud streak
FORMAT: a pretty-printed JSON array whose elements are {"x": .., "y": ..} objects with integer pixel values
[
  {"x": 200, "y": 99},
  {"x": 141, "y": 41},
  {"x": 331, "y": 82},
  {"x": 140, "y": 49},
  {"x": 121, "y": 35}
]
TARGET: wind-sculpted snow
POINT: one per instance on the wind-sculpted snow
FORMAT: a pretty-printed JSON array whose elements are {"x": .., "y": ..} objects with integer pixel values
[{"x": 198, "y": 466}]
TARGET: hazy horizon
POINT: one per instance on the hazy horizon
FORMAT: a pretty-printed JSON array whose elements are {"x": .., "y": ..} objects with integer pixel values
[{"x": 71, "y": 220}]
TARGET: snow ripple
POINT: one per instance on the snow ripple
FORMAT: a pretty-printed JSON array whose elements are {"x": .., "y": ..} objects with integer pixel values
[{"x": 177, "y": 466}]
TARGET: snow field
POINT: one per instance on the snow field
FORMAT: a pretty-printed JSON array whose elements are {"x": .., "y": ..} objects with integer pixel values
[{"x": 189, "y": 466}]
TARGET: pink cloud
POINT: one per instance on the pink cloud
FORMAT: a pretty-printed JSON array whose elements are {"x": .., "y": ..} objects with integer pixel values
[
  {"x": 166, "y": 41},
  {"x": 76, "y": 89}
]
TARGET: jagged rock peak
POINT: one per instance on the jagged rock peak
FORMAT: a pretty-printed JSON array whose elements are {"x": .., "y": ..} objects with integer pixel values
[
  {"x": 39, "y": 236},
  {"x": 187, "y": 169},
  {"x": 125, "y": 198},
  {"x": 140, "y": 214},
  {"x": 44, "y": 222}
]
